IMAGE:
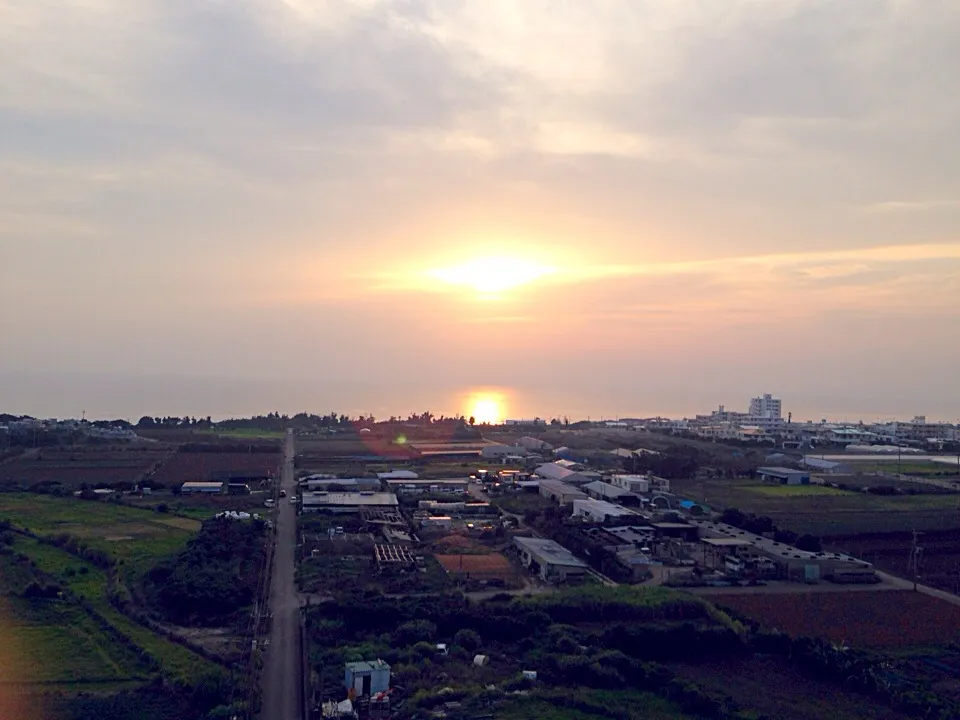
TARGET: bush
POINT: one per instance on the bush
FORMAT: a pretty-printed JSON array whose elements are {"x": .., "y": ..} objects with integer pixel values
[
  {"x": 469, "y": 640},
  {"x": 415, "y": 631}
]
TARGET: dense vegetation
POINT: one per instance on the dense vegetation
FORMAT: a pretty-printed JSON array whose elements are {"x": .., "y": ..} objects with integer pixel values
[
  {"x": 593, "y": 637},
  {"x": 214, "y": 577}
]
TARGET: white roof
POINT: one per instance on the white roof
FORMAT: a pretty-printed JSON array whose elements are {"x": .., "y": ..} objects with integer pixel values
[
  {"x": 553, "y": 471},
  {"x": 602, "y": 506},
  {"x": 398, "y": 475},
  {"x": 349, "y": 499},
  {"x": 549, "y": 551}
]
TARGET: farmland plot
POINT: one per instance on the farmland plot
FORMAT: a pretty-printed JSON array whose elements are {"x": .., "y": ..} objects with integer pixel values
[{"x": 866, "y": 619}]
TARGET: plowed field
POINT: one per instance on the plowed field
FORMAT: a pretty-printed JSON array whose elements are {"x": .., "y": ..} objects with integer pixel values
[{"x": 884, "y": 618}]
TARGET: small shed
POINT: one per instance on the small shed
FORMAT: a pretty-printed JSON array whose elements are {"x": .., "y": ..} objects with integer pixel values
[{"x": 367, "y": 678}]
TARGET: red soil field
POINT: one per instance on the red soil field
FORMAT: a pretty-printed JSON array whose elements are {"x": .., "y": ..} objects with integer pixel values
[
  {"x": 491, "y": 565},
  {"x": 200, "y": 467},
  {"x": 72, "y": 468},
  {"x": 880, "y": 618}
]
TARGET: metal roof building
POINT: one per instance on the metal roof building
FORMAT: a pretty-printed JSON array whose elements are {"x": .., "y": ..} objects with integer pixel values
[
  {"x": 398, "y": 475},
  {"x": 561, "y": 492},
  {"x": 201, "y": 487},
  {"x": 785, "y": 476},
  {"x": 601, "y": 510},
  {"x": 347, "y": 502},
  {"x": 554, "y": 562},
  {"x": 605, "y": 491},
  {"x": 553, "y": 471}
]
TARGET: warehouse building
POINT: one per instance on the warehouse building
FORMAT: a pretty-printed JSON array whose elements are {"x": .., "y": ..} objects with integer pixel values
[
  {"x": 553, "y": 562},
  {"x": 605, "y": 491},
  {"x": 191, "y": 488},
  {"x": 327, "y": 482},
  {"x": 637, "y": 484},
  {"x": 600, "y": 511},
  {"x": 413, "y": 487},
  {"x": 792, "y": 563},
  {"x": 553, "y": 471},
  {"x": 347, "y": 502},
  {"x": 820, "y": 465},
  {"x": 784, "y": 476},
  {"x": 560, "y": 492},
  {"x": 398, "y": 475}
]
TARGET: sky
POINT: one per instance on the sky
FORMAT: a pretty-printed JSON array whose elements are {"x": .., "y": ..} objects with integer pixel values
[{"x": 606, "y": 208}]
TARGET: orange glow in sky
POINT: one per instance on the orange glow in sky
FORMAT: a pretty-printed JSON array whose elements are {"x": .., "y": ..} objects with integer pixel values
[
  {"x": 492, "y": 275},
  {"x": 486, "y": 406}
]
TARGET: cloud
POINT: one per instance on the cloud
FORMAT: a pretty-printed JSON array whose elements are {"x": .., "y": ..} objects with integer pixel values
[{"x": 695, "y": 173}]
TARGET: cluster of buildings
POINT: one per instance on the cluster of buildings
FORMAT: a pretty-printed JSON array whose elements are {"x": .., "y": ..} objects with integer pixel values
[
  {"x": 764, "y": 422},
  {"x": 26, "y": 428}
]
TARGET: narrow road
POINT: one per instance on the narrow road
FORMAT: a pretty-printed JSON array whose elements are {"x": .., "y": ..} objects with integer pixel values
[{"x": 282, "y": 672}]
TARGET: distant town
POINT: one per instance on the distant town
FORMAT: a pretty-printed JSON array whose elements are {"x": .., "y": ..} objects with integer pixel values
[{"x": 323, "y": 566}]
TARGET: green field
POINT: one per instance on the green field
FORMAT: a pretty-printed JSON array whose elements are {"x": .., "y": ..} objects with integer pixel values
[
  {"x": 827, "y": 511},
  {"x": 90, "y": 583},
  {"x": 135, "y": 538},
  {"x": 138, "y": 537},
  {"x": 60, "y": 643}
]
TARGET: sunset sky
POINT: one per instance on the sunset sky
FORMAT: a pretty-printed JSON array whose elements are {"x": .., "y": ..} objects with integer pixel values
[{"x": 605, "y": 208}]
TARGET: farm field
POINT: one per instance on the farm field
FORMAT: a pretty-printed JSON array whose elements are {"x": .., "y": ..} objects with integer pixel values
[
  {"x": 58, "y": 643},
  {"x": 794, "y": 491},
  {"x": 90, "y": 583},
  {"x": 204, "y": 466},
  {"x": 139, "y": 537},
  {"x": 940, "y": 559},
  {"x": 846, "y": 513},
  {"x": 879, "y": 619},
  {"x": 491, "y": 566},
  {"x": 242, "y": 433},
  {"x": 72, "y": 468},
  {"x": 769, "y": 685}
]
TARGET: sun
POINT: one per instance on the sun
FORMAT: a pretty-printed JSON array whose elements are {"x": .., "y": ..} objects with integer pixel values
[
  {"x": 485, "y": 406},
  {"x": 492, "y": 275}
]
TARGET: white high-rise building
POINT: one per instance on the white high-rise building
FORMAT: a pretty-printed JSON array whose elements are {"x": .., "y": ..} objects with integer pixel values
[{"x": 765, "y": 406}]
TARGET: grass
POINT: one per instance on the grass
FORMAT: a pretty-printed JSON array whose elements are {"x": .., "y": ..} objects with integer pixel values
[
  {"x": 91, "y": 584},
  {"x": 833, "y": 513},
  {"x": 788, "y": 491},
  {"x": 65, "y": 645},
  {"x": 138, "y": 537}
]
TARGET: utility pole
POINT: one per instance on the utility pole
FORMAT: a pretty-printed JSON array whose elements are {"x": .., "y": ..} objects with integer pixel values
[{"x": 914, "y": 564}]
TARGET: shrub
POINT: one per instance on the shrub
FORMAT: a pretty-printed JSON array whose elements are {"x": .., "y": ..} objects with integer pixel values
[{"x": 469, "y": 640}]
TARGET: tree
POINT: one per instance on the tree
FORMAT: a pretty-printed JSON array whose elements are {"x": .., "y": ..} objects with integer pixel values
[
  {"x": 469, "y": 640},
  {"x": 472, "y": 421}
]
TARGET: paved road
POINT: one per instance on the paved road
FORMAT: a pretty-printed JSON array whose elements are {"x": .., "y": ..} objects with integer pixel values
[{"x": 282, "y": 672}]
